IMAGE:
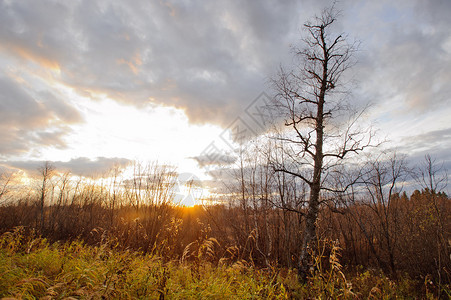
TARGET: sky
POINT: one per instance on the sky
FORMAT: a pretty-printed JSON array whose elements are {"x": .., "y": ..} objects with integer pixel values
[{"x": 89, "y": 85}]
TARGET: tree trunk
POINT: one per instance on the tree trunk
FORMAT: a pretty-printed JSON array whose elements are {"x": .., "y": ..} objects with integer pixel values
[{"x": 310, "y": 237}]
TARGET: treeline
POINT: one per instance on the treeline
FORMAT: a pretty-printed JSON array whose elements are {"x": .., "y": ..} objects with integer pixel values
[{"x": 260, "y": 221}]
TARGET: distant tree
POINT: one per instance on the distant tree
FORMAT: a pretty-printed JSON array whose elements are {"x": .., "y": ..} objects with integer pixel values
[
  {"x": 383, "y": 183},
  {"x": 431, "y": 175},
  {"x": 5, "y": 181},
  {"x": 46, "y": 172},
  {"x": 324, "y": 129},
  {"x": 433, "y": 178}
]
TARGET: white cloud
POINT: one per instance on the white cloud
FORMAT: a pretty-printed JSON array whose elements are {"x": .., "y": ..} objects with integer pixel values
[{"x": 209, "y": 59}]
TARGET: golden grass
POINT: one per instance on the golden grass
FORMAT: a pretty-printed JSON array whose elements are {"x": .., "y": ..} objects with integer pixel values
[{"x": 31, "y": 268}]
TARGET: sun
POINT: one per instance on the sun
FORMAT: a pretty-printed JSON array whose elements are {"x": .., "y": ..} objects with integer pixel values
[{"x": 189, "y": 190}]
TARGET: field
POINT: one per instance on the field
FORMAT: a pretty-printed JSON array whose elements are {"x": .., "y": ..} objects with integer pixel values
[
  {"x": 32, "y": 268},
  {"x": 116, "y": 239}
]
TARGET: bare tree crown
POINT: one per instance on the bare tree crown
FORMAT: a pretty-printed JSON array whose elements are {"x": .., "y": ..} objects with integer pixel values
[{"x": 306, "y": 97}]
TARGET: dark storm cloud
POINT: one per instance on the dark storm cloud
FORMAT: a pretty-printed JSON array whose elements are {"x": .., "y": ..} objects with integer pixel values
[{"x": 78, "y": 166}]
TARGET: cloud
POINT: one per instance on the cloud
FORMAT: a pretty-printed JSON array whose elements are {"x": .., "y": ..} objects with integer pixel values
[
  {"x": 30, "y": 119},
  {"x": 214, "y": 159},
  {"x": 17, "y": 106},
  {"x": 212, "y": 59},
  {"x": 435, "y": 143},
  {"x": 81, "y": 166},
  {"x": 405, "y": 59},
  {"x": 209, "y": 59}
]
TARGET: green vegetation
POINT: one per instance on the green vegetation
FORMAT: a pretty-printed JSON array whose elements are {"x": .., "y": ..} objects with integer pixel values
[{"x": 31, "y": 267}]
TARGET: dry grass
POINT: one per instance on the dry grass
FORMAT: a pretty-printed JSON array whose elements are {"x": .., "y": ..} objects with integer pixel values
[{"x": 32, "y": 268}]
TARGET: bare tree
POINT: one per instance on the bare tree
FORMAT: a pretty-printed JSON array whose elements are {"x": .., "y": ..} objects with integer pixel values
[
  {"x": 323, "y": 128},
  {"x": 383, "y": 181},
  {"x": 46, "y": 171},
  {"x": 5, "y": 181},
  {"x": 431, "y": 175}
]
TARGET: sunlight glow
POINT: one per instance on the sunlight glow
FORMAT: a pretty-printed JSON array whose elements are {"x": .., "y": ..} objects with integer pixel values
[{"x": 147, "y": 134}]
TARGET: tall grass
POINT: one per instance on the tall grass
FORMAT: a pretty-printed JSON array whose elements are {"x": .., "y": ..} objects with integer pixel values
[{"x": 31, "y": 268}]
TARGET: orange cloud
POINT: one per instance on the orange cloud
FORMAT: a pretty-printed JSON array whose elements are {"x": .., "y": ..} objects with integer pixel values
[
  {"x": 133, "y": 63},
  {"x": 27, "y": 54}
]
